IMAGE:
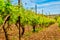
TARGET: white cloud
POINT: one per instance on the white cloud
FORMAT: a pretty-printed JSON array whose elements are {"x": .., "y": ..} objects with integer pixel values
[
  {"x": 55, "y": 8},
  {"x": 47, "y": 4},
  {"x": 39, "y": 0},
  {"x": 28, "y": 3}
]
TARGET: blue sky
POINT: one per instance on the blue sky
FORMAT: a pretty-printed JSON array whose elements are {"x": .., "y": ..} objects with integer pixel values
[{"x": 52, "y": 6}]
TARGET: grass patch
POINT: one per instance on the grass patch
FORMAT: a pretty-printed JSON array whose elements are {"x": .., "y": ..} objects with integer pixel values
[{"x": 39, "y": 29}]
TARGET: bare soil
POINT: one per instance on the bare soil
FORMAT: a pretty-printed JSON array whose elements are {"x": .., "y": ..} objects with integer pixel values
[{"x": 50, "y": 33}]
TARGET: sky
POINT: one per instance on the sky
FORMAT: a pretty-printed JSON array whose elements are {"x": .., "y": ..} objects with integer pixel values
[{"x": 48, "y": 6}]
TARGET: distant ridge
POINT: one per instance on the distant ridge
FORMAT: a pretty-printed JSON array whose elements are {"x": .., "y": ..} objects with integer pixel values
[{"x": 54, "y": 15}]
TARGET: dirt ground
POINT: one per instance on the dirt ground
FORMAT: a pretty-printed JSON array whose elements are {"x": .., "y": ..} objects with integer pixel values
[{"x": 50, "y": 33}]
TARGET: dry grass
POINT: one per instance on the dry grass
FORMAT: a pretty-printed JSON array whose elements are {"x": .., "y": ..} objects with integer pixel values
[{"x": 50, "y": 33}]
